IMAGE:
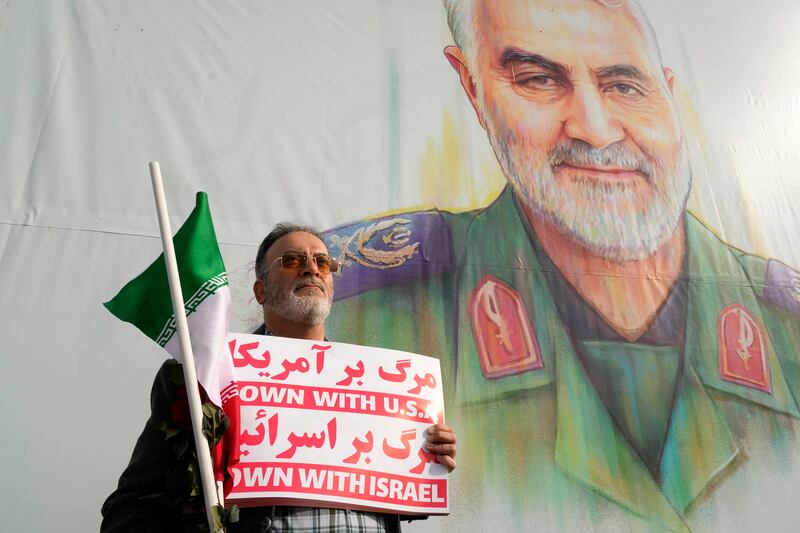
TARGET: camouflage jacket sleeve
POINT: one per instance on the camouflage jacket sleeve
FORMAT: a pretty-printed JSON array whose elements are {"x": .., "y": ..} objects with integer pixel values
[{"x": 151, "y": 493}]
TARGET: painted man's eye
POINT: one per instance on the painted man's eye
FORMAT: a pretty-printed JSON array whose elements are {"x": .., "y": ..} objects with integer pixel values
[
  {"x": 537, "y": 81},
  {"x": 626, "y": 89},
  {"x": 540, "y": 80}
]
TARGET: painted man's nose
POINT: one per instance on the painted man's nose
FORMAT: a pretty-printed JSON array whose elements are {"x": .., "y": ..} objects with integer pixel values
[{"x": 589, "y": 119}]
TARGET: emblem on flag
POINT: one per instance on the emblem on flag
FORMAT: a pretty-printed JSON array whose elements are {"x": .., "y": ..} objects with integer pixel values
[
  {"x": 742, "y": 352},
  {"x": 502, "y": 330}
]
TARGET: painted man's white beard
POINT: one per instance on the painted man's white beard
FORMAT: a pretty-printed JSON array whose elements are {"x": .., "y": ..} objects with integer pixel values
[
  {"x": 307, "y": 310},
  {"x": 602, "y": 217}
]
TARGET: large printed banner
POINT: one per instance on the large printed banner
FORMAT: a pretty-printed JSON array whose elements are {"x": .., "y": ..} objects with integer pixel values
[
  {"x": 586, "y": 210},
  {"x": 336, "y": 425}
]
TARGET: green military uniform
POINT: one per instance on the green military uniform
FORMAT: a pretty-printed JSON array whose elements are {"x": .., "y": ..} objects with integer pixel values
[{"x": 539, "y": 447}]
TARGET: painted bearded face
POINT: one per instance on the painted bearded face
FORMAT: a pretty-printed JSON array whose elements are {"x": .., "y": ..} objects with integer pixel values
[{"x": 581, "y": 118}]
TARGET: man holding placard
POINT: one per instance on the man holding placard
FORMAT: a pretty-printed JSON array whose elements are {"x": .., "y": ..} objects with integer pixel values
[
  {"x": 296, "y": 293},
  {"x": 294, "y": 284}
]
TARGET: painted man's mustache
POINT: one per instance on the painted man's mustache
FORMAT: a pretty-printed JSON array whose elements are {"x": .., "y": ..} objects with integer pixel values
[{"x": 616, "y": 156}]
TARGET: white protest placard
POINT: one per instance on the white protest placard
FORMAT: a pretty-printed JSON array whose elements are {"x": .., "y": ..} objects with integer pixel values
[{"x": 336, "y": 425}]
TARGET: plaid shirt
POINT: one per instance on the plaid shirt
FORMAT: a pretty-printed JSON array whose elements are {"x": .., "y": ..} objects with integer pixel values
[{"x": 313, "y": 519}]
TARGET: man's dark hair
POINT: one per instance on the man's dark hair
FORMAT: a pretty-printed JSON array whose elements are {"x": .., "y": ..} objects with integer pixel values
[{"x": 280, "y": 229}]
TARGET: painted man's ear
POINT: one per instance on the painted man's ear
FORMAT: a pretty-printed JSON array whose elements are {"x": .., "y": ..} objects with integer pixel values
[
  {"x": 459, "y": 63},
  {"x": 669, "y": 76}
]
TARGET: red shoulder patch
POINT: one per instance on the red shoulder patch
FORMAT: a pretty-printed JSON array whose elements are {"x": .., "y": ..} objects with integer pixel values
[
  {"x": 742, "y": 351},
  {"x": 504, "y": 336}
]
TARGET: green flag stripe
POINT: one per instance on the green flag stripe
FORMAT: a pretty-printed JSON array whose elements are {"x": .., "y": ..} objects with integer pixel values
[{"x": 145, "y": 301}]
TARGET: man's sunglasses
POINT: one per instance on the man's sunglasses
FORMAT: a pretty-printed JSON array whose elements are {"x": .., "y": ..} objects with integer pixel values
[{"x": 325, "y": 263}]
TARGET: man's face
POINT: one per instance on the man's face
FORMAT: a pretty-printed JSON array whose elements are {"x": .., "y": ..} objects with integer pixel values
[
  {"x": 581, "y": 118},
  {"x": 303, "y": 295}
]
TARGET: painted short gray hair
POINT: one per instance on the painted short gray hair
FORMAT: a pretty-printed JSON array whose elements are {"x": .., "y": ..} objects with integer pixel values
[
  {"x": 460, "y": 18},
  {"x": 280, "y": 229}
]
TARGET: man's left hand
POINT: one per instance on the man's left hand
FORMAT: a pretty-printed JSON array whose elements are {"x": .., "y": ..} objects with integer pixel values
[{"x": 442, "y": 441}]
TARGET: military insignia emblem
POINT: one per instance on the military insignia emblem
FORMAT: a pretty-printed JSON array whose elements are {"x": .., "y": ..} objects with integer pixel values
[
  {"x": 395, "y": 235},
  {"x": 503, "y": 333},
  {"x": 742, "y": 352},
  {"x": 387, "y": 251}
]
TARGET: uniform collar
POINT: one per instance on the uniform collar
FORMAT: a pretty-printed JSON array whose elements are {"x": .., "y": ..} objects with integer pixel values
[
  {"x": 500, "y": 243},
  {"x": 585, "y": 323},
  {"x": 700, "y": 446},
  {"x": 717, "y": 281}
]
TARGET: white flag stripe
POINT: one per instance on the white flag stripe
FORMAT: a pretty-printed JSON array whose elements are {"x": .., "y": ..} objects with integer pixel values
[{"x": 208, "y": 328}]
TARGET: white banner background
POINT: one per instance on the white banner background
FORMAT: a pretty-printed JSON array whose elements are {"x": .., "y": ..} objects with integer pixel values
[{"x": 312, "y": 110}]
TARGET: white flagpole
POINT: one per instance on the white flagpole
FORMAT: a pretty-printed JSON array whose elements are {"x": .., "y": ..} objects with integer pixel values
[{"x": 210, "y": 494}]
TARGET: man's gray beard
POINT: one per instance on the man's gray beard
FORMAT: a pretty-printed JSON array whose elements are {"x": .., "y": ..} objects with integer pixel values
[
  {"x": 281, "y": 300},
  {"x": 601, "y": 217}
]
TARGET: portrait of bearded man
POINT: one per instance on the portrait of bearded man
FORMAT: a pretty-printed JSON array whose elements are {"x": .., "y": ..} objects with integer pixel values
[{"x": 612, "y": 363}]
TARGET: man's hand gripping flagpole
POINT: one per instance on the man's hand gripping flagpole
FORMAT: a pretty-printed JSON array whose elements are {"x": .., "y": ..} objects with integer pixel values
[{"x": 212, "y": 492}]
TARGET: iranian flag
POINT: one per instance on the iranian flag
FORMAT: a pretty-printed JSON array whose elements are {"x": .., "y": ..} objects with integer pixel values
[{"x": 145, "y": 302}]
